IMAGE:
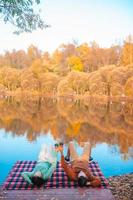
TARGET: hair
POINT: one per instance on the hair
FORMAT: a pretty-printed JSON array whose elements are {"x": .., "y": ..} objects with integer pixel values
[
  {"x": 82, "y": 181},
  {"x": 38, "y": 181}
]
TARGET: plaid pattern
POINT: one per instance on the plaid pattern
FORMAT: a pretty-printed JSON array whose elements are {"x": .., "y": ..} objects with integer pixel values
[{"x": 59, "y": 178}]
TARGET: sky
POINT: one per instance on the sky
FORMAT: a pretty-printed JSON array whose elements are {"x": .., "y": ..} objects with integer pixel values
[{"x": 105, "y": 21}]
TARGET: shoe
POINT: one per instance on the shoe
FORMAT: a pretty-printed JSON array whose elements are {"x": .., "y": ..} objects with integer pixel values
[
  {"x": 61, "y": 143},
  {"x": 90, "y": 159},
  {"x": 67, "y": 159},
  {"x": 58, "y": 144}
]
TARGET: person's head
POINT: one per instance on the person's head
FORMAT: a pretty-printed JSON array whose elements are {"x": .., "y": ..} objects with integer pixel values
[
  {"x": 82, "y": 179},
  {"x": 38, "y": 181}
]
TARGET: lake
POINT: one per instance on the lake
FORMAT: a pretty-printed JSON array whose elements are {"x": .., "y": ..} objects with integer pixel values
[{"x": 26, "y": 124}]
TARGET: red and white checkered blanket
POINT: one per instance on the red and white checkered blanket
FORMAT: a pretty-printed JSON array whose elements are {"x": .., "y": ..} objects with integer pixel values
[{"x": 59, "y": 178}]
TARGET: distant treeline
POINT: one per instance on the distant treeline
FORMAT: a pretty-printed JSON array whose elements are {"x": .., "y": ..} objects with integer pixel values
[{"x": 71, "y": 70}]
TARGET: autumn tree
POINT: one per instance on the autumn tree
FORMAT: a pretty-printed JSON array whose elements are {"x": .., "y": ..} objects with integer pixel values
[
  {"x": 9, "y": 78},
  {"x": 29, "y": 82},
  {"x": 57, "y": 63},
  {"x": 63, "y": 88},
  {"x": 127, "y": 51},
  {"x": 75, "y": 83},
  {"x": 75, "y": 63},
  {"x": 33, "y": 53},
  {"x": 111, "y": 56},
  {"x": 129, "y": 87},
  {"x": 49, "y": 82},
  {"x": 118, "y": 79},
  {"x": 46, "y": 60},
  {"x": 96, "y": 85},
  {"x": 60, "y": 58},
  {"x": 83, "y": 51},
  {"x": 70, "y": 70},
  {"x": 16, "y": 59},
  {"x": 37, "y": 67}
]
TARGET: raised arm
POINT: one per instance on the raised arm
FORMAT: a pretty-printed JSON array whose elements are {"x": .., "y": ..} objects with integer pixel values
[
  {"x": 94, "y": 181},
  {"x": 67, "y": 168}
]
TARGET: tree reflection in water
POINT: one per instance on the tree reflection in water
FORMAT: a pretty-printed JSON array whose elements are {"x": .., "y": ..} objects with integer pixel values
[{"x": 98, "y": 121}]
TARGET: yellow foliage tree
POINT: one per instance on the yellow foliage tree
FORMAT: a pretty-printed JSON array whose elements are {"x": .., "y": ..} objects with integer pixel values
[
  {"x": 73, "y": 129},
  {"x": 75, "y": 63},
  {"x": 127, "y": 51}
]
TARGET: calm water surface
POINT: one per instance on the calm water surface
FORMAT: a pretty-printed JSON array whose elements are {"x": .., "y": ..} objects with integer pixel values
[{"x": 27, "y": 124}]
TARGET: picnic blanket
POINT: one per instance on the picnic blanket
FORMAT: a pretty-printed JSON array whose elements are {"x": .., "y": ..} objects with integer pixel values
[{"x": 59, "y": 178}]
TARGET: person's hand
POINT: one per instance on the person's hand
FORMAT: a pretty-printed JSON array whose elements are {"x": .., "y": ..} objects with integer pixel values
[
  {"x": 60, "y": 148},
  {"x": 88, "y": 183},
  {"x": 96, "y": 182}
]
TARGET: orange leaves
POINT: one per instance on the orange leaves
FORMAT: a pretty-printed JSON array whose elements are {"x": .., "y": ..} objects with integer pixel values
[
  {"x": 72, "y": 69},
  {"x": 75, "y": 83},
  {"x": 37, "y": 67},
  {"x": 49, "y": 82},
  {"x": 110, "y": 122},
  {"x": 73, "y": 129},
  {"x": 129, "y": 87},
  {"x": 127, "y": 51},
  {"x": 33, "y": 53},
  {"x": 9, "y": 78}
]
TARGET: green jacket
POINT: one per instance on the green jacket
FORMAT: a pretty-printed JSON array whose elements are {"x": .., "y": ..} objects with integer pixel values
[{"x": 46, "y": 168}]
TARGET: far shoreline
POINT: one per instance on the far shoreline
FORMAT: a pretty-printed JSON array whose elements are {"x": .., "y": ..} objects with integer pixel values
[{"x": 36, "y": 95}]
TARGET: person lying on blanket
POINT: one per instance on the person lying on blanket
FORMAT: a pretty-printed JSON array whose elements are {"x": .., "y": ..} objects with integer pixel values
[
  {"x": 44, "y": 168},
  {"x": 78, "y": 170}
]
